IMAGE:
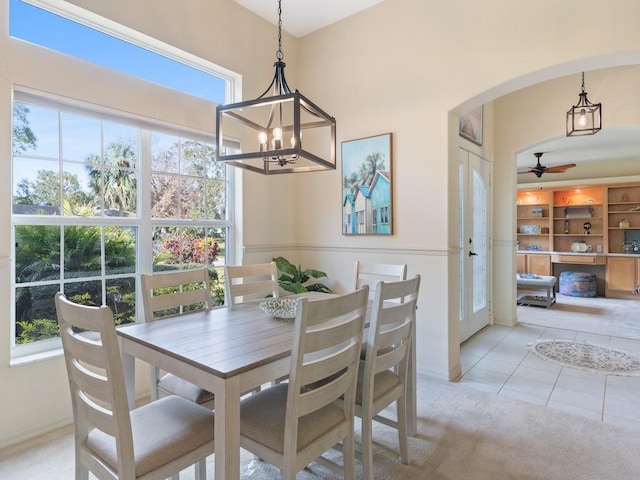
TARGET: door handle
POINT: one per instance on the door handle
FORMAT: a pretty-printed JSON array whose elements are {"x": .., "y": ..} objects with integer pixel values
[{"x": 472, "y": 254}]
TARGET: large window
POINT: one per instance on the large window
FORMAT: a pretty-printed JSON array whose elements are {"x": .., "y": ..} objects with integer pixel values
[
  {"x": 113, "y": 47},
  {"x": 95, "y": 200},
  {"x": 99, "y": 195}
]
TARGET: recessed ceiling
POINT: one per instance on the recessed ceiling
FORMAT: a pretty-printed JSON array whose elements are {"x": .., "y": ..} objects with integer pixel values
[
  {"x": 301, "y": 17},
  {"x": 607, "y": 144}
]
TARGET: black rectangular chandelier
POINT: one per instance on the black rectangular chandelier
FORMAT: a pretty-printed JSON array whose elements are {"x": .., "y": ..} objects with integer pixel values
[
  {"x": 584, "y": 118},
  {"x": 281, "y": 133}
]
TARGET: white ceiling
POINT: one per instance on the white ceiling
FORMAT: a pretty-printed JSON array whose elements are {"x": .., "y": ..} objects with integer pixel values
[
  {"x": 300, "y": 17},
  {"x": 607, "y": 144}
]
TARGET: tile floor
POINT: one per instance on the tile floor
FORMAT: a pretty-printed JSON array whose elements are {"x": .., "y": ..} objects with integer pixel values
[{"x": 496, "y": 359}]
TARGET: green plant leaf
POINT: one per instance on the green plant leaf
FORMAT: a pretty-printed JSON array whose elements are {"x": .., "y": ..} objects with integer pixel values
[
  {"x": 293, "y": 287},
  {"x": 285, "y": 266},
  {"x": 310, "y": 272},
  {"x": 318, "y": 287}
]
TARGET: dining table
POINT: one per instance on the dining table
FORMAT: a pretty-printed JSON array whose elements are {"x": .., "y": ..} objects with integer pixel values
[{"x": 228, "y": 351}]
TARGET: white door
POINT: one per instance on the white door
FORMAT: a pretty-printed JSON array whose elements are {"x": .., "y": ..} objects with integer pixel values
[{"x": 475, "y": 244}]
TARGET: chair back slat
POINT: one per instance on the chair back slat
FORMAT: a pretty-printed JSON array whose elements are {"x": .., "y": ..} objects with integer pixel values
[
  {"x": 171, "y": 293},
  {"x": 327, "y": 342},
  {"x": 372, "y": 273},
  {"x": 250, "y": 283}
]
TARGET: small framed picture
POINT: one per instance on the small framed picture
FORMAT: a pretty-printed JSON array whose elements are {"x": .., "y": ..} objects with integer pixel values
[
  {"x": 366, "y": 186},
  {"x": 470, "y": 125}
]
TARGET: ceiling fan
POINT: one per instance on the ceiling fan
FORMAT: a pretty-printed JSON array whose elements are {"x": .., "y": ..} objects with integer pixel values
[{"x": 539, "y": 169}]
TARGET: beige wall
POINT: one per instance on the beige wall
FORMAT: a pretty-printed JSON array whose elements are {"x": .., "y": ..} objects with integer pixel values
[{"x": 401, "y": 66}]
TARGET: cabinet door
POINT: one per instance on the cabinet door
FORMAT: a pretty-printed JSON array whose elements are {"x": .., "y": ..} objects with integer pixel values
[
  {"x": 621, "y": 273},
  {"x": 521, "y": 263},
  {"x": 539, "y": 264}
]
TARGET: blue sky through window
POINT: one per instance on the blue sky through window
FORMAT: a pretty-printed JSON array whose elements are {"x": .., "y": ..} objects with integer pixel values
[{"x": 37, "y": 26}]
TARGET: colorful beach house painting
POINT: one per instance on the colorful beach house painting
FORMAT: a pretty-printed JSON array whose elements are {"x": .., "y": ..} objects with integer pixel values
[{"x": 366, "y": 186}]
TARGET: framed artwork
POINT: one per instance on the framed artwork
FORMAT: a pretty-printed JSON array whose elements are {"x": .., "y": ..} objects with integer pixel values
[
  {"x": 470, "y": 125},
  {"x": 366, "y": 186}
]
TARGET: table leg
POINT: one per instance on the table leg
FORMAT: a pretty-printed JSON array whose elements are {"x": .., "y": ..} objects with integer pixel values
[
  {"x": 227, "y": 431},
  {"x": 129, "y": 368},
  {"x": 412, "y": 409}
]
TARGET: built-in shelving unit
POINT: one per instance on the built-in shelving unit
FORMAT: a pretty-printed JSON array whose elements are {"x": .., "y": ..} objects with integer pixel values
[
  {"x": 533, "y": 221},
  {"x": 593, "y": 226},
  {"x": 623, "y": 218},
  {"x": 578, "y": 220}
]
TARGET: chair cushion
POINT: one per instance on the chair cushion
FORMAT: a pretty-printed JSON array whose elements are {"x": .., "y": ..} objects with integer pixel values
[
  {"x": 262, "y": 418},
  {"x": 384, "y": 382},
  {"x": 163, "y": 431},
  {"x": 178, "y": 386}
]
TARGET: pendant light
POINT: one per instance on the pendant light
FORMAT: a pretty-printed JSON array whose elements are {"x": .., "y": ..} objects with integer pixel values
[
  {"x": 279, "y": 132},
  {"x": 584, "y": 118}
]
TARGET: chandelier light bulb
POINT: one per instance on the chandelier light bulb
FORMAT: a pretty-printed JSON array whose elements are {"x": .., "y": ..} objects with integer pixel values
[
  {"x": 277, "y": 138},
  {"x": 582, "y": 121},
  {"x": 262, "y": 138}
]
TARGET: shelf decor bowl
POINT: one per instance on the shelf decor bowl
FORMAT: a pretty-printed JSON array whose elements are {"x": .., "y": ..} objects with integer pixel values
[{"x": 280, "y": 308}]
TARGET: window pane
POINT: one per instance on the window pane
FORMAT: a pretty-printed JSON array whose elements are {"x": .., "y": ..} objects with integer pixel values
[
  {"x": 120, "y": 192},
  {"x": 81, "y": 137},
  {"x": 94, "y": 46},
  {"x": 82, "y": 251},
  {"x": 187, "y": 247},
  {"x": 192, "y": 199},
  {"x": 85, "y": 293},
  {"x": 166, "y": 248},
  {"x": 37, "y": 253},
  {"x": 121, "y": 298},
  {"x": 36, "y": 313},
  {"x": 120, "y": 250},
  {"x": 164, "y": 153},
  {"x": 36, "y": 187},
  {"x": 121, "y": 145},
  {"x": 164, "y": 196},
  {"x": 35, "y": 131}
]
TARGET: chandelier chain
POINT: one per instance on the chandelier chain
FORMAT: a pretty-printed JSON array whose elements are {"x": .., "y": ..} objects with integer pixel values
[{"x": 279, "y": 54}]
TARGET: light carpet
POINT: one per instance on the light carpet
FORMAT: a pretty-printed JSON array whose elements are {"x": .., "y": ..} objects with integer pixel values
[
  {"x": 462, "y": 434},
  {"x": 587, "y": 356}
]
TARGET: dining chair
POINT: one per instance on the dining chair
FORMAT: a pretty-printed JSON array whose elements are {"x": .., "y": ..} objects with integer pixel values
[
  {"x": 382, "y": 376},
  {"x": 372, "y": 273},
  {"x": 292, "y": 424},
  {"x": 165, "y": 295},
  {"x": 152, "y": 442},
  {"x": 250, "y": 283}
]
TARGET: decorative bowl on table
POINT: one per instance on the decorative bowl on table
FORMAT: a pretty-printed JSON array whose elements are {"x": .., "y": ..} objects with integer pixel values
[{"x": 280, "y": 308}]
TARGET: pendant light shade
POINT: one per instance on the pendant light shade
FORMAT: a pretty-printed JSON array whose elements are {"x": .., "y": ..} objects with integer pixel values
[
  {"x": 584, "y": 118},
  {"x": 279, "y": 132}
]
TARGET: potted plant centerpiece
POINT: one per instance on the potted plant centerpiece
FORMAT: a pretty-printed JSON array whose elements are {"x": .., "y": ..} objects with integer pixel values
[{"x": 295, "y": 280}]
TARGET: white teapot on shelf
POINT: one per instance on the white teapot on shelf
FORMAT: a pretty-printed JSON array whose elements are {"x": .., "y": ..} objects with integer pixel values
[{"x": 579, "y": 246}]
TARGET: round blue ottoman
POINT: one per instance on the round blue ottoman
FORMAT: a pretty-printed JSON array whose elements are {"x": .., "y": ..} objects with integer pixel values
[{"x": 578, "y": 284}]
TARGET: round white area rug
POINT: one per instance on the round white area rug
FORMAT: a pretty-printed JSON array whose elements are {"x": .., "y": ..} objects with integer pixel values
[{"x": 587, "y": 356}]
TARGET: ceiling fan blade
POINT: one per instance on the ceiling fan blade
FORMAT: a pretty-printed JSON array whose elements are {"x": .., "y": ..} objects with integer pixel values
[{"x": 560, "y": 168}]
